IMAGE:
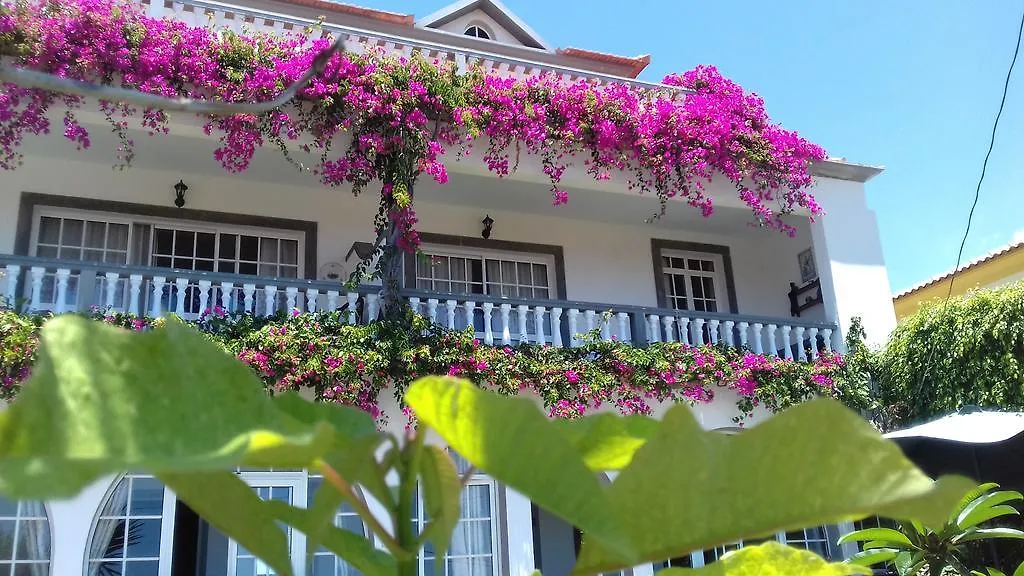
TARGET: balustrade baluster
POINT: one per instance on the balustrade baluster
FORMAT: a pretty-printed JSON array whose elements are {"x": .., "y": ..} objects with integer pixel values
[
  {"x": 574, "y": 339},
  {"x": 372, "y": 307},
  {"x": 158, "y": 295},
  {"x": 772, "y": 348},
  {"x": 667, "y": 323},
  {"x": 204, "y": 295},
  {"x": 539, "y": 315},
  {"x": 111, "y": 279},
  {"x": 488, "y": 329},
  {"x": 521, "y": 312},
  {"x": 353, "y": 302},
  {"x": 826, "y": 335},
  {"x": 134, "y": 290},
  {"x": 787, "y": 345},
  {"x": 801, "y": 351},
  {"x": 311, "y": 295},
  {"x": 248, "y": 291},
  {"x": 11, "y": 287},
  {"x": 62, "y": 276},
  {"x": 450, "y": 307},
  {"x": 291, "y": 294},
  {"x": 332, "y": 300},
  {"x": 506, "y": 335},
  {"x": 714, "y": 333},
  {"x": 743, "y": 334},
  {"x": 758, "y": 344},
  {"x": 556, "y": 327},
  {"x": 812, "y": 335},
  {"x": 684, "y": 330},
  {"x": 623, "y": 319},
  {"x": 654, "y": 323},
  {"x": 270, "y": 299}
]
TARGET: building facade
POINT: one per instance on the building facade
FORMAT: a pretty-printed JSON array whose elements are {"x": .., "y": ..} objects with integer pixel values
[{"x": 75, "y": 234}]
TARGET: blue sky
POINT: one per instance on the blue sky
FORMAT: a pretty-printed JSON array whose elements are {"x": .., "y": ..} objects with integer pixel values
[{"x": 913, "y": 85}]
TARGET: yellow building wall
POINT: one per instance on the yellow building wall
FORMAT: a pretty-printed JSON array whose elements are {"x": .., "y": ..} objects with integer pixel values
[{"x": 999, "y": 270}]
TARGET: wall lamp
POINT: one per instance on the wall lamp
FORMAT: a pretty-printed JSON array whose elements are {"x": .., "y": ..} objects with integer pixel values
[
  {"x": 488, "y": 223},
  {"x": 179, "y": 193}
]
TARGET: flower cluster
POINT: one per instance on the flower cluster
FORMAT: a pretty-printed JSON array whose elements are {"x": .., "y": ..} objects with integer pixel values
[
  {"x": 353, "y": 364},
  {"x": 400, "y": 116}
]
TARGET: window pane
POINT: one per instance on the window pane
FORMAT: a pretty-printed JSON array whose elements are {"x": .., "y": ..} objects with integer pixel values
[
  {"x": 184, "y": 263},
  {"x": 205, "y": 265},
  {"x": 49, "y": 230},
  {"x": 289, "y": 252},
  {"x": 147, "y": 568},
  {"x": 247, "y": 268},
  {"x": 476, "y": 501},
  {"x": 71, "y": 253},
  {"x": 268, "y": 250},
  {"x": 205, "y": 245},
  {"x": 692, "y": 264},
  {"x": 33, "y": 540},
  {"x": 708, "y": 266},
  {"x": 525, "y": 274},
  {"x": 250, "y": 248},
  {"x": 508, "y": 272},
  {"x": 46, "y": 251},
  {"x": 147, "y": 497},
  {"x": 698, "y": 287},
  {"x": 117, "y": 237},
  {"x": 92, "y": 255},
  {"x": 95, "y": 234},
  {"x": 458, "y": 269},
  {"x": 269, "y": 270},
  {"x": 164, "y": 241},
  {"x": 7, "y": 538},
  {"x": 540, "y": 275},
  {"x": 228, "y": 243},
  {"x": 184, "y": 243},
  {"x": 72, "y": 233}
]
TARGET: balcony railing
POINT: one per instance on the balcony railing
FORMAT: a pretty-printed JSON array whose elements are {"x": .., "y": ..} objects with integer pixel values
[{"x": 43, "y": 284}]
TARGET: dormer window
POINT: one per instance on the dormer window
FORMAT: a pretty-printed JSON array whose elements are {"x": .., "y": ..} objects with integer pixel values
[{"x": 477, "y": 32}]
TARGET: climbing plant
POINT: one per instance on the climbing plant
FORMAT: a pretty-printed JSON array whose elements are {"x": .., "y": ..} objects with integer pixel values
[{"x": 376, "y": 119}]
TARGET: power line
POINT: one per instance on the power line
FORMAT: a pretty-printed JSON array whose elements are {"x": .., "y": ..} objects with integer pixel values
[{"x": 977, "y": 196}]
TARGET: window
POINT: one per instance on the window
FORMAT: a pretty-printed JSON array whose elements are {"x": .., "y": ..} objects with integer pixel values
[
  {"x": 814, "y": 539},
  {"x": 325, "y": 563},
  {"x": 693, "y": 281},
  {"x": 24, "y": 539},
  {"x": 130, "y": 537},
  {"x": 477, "y": 32},
  {"x": 514, "y": 275},
  {"x": 473, "y": 548},
  {"x": 122, "y": 240}
]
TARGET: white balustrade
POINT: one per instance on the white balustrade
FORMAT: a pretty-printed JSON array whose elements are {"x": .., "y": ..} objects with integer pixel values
[
  {"x": 772, "y": 348},
  {"x": 226, "y": 290},
  {"x": 521, "y": 311},
  {"x": 450, "y": 307},
  {"x": 758, "y": 347},
  {"x": 743, "y": 334},
  {"x": 11, "y": 288},
  {"x": 134, "y": 290},
  {"x": 787, "y": 347},
  {"x": 506, "y": 334},
  {"x": 470, "y": 308},
  {"x": 158, "y": 294},
  {"x": 685, "y": 336},
  {"x": 730, "y": 335},
  {"x": 556, "y": 327},
  {"x": 62, "y": 276},
  {"x": 668, "y": 321},
  {"x": 623, "y": 320},
  {"x": 311, "y": 295},
  {"x": 110, "y": 288},
  {"x": 801, "y": 350},
  {"x": 352, "y": 299},
  {"x": 574, "y": 338},
  {"x": 332, "y": 300},
  {"x": 291, "y": 294},
  {"x": 713, "y": 332},
  {"x": 539, "y": 312},
  {"x": 269, "y": 299},
  {"x": 204, "y": 295},
  {"x": 653, "y": 323},
  {"x": 372, "y": 306},
  {"x": 248, "y": 290},
  {"x": 488, "y": 308},
  {"x": 432, "y": 309}
]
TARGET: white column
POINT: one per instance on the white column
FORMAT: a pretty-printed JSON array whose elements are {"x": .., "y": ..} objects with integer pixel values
[
  {"x": 812, "y": 335},
  {"x": 556, "y": 327},
  {"x": 801, "y": 352},
  {"x": 311, "y": 295},
  {"x": 134, "y": 288},
  {"x": 573, "y": 327},
  {"x": 758, "y": 344},
  {"x": 332, "y": 300},
  {"x": 786, "y": 343},
  {"x": 668, "y": 321},
  {"x": 488, "y": 331},
  {"x": 353, "y": 300},
  {"x": 112, "y": 279},
  {"x": 470, "y": 307},
  {"x": 730, "y": 336},
  {"x": 450, "y": 307},
  {"x": 506, "y": 332},
  {"x": 848, "y": 255},
  {"x": 655, "y": 335},
  {"x": 269, "y": 299},
  {"x": 623, "y": 319},
  {"x": 248, "y": 290},
  {"x": 181, "y": 285},
  {"x": 772, "y": 348},
  {"x": 372, "y": 307},
  {"x": 432, "y": 310},
  {"x": 226, "y": 288},
  {"x": 204, "y": 295},
  {"x": 158, "y": 293},
  {"x": 539, "y": 316},
  {"x": 698, "y": 331},
  {"x": 62, "y": 290},
  {"x": 291, "y": 293},
  {"x": 713, "y": 330},
  {"x": 11, "y": 279},
  {"x": 743, "y": 334},
  {"x": 684, "y": 331},
  {"x": 521, "y": 311},
  {"x": 826, "y": 335},
  {"x": 588, "y": 319}
]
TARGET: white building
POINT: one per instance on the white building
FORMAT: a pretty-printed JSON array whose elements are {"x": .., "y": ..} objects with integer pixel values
[{"x": 70, "y": 227}]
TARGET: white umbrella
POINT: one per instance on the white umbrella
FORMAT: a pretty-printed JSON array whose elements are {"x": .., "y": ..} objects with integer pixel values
[{"x": 985, "y": 445}]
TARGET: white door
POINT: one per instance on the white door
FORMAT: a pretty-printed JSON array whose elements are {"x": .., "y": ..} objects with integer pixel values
[{"x": 289, "y": 487}]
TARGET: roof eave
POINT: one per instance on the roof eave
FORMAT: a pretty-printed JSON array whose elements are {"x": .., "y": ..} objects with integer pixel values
[{"x": 843, "y": 170}]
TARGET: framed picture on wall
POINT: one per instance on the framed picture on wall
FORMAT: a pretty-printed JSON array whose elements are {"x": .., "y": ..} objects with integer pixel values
[{"x": 808, "y": 269}]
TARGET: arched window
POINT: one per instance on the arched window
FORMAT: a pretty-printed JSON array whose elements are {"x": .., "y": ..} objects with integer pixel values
[
  {"x": 130, "y": 532},
  {"x": 24, "y": 539},
  {"x": 477, "y": 32}
]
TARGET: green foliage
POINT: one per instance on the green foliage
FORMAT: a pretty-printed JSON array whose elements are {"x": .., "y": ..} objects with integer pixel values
[
  {"x": 915, "y": 546},
  {"x": 334, "y": 360},
  {"x": 770, "y": 559},
  {"x": 103, "y": 400},
  {"x": 969, "y": 351}
]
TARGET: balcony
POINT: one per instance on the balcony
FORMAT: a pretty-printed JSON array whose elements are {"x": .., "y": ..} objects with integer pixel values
[{"x": 46, "y": 284}]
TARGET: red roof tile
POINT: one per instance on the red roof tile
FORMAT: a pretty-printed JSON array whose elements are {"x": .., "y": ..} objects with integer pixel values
[{"x": 636, "y": 63}]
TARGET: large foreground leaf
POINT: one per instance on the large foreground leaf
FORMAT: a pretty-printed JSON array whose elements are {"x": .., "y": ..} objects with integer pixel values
[
  {"x": 103, "y": 400},
  {"x": 608, "y": 441},
  {"x": 817, "y": 463},
  {"x": 516, "y": 444},
  {"x": 770, "y": 559}
]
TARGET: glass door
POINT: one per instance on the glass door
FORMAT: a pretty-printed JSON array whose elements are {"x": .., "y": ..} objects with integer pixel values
[{"x": 288, "y": 487}]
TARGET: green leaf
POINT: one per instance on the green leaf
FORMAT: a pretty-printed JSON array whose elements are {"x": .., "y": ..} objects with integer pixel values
[
  {"x": 769, "y": 559},
  {"x": 232, "y": 506},
  {"x": 989, "y": 572},
  {"x": 441, "y": 494},
  {"x": 884, "y": 534},
  {"x": 1020, "y": 570},
  {"x": 348, "y": 422},
  {"x": 350, "y": 547},
  {"x": 975, "y": 512},
  {"x": 982, "y": 515},
  {"x": 873, "y": 557},
  {"x": 814, "y": 464},
  {"x": 102, "y": 400},
  {"x": 988, "y": 533},
  {"x": 606, "y": 441},
  {"x": 511, "y": 440}
]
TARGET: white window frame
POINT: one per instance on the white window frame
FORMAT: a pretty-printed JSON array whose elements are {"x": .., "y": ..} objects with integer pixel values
[
  {"x": 298, "y": 482},
  {"x": 167, "y": 520},
  {"x": 177, "y": 224},
  {"x": 721, "y": 287},
  {"x": 477, "y": 479},
  {"x": 484, "y": 254}
]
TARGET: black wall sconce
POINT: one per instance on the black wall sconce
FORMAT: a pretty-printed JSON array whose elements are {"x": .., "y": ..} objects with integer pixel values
[
  {"x": 179, "y": 193},
  {"x": 488, "y": 223}
]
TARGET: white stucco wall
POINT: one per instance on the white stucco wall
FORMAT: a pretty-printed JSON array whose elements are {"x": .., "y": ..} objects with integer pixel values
[{"x": 606, "y": 262}]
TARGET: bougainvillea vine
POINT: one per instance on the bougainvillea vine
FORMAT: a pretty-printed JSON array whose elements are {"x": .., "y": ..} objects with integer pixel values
[
  {"x": 399, "y": 118},
  {"x": 355, "y": 364}
]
